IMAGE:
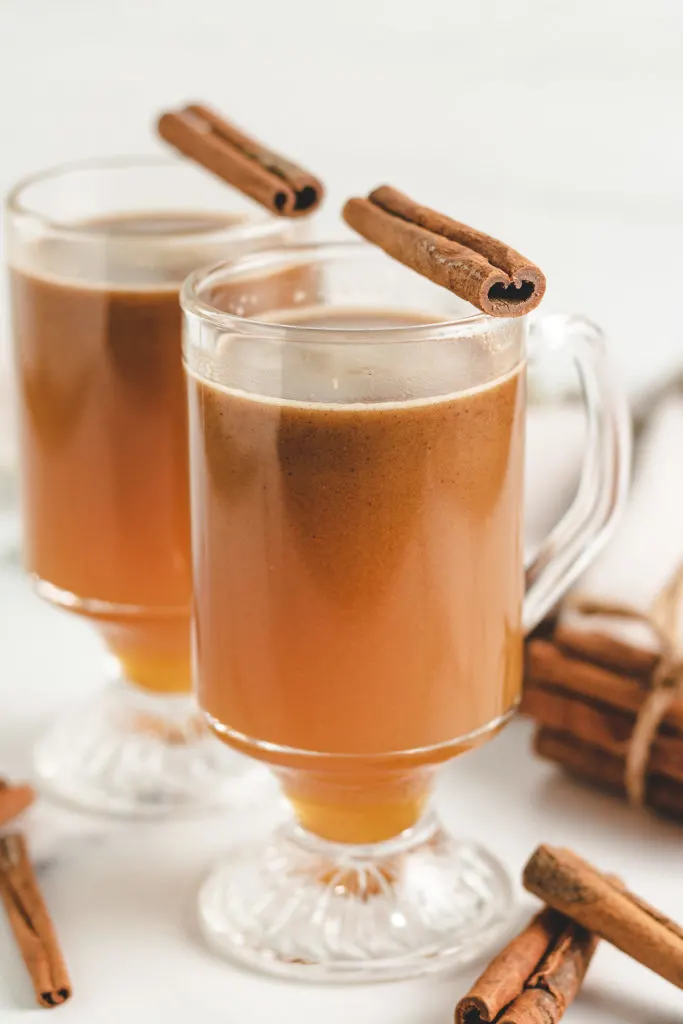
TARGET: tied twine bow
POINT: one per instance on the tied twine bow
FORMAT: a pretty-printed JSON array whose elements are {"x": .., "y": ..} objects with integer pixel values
[{"x": 666, "y": 683}]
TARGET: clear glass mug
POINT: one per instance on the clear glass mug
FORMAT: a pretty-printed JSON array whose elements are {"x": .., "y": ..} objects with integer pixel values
[
  {"x": 97, "y": 253},
  {"x": 356, "y": 466}
]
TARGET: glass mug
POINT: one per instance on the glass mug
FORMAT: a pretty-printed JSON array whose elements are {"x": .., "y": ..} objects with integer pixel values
[
  {"x": 97, "y": 253},
  {"x": 356, "y": 465}
]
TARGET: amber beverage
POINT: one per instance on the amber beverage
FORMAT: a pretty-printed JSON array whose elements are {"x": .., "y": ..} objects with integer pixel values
[
  {"x": 356, "y": 475},
  {"x": 103, "y": 430},
  {"x": 359, "y": 575},
  {"x": 97, "y": 256}
]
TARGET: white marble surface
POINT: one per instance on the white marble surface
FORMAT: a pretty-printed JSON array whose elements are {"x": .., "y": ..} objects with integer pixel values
[{"x": 122, "y": 894}]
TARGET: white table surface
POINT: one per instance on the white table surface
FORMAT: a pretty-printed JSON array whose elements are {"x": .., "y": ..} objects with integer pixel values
[{"x": 122, "y": 893}]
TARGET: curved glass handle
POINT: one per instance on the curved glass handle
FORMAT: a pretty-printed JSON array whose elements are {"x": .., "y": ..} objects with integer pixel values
[{"x": 572, "y": 544}]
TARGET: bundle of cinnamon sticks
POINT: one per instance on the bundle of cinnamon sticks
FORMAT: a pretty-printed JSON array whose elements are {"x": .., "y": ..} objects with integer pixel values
[{"x": 585, "y": 690}]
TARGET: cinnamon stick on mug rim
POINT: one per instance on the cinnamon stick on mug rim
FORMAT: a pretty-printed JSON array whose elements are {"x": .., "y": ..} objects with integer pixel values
[
  {"x": 31, "y": 923},
  {"x": 534, "y": 978},
  {"x": 480, "y": 269},
  {"x": 201, "y": 134},
  {"x": 576, "y": 888}
]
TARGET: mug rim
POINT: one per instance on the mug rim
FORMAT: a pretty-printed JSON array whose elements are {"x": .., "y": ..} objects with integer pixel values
[
  {"x": 193, "y": 304},
  {"x": 259, "y": 224}
]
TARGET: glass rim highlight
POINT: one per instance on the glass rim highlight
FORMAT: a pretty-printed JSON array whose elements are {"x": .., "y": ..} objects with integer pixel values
[
  {"x": 259, "y": 224},
  {"x": 283, "y": 256},
  {"x": 397, "y": 760}
]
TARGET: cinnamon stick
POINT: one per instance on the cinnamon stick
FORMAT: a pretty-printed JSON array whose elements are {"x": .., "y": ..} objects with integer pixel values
[
  {"x": 201, "y": 134},
  {"x": 576, "y": 888},
  {"x": 480, "y": 269},
  {"x": 13, "y": 800},
  {"x": 587, "y": 713},
  {"x": 597, "y": 725},
  {"x": 536, "y": 976},
  {"x": 31, "y": 923},
  {"x": 604, "y": 770},
  {"x": 546, "y": 663},
  {"x": 605, "y": 650}
]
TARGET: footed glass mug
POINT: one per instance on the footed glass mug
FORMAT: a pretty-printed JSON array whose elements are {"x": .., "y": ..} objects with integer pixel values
[
  {"x": 356, "y": 466},
  {"x": 97, "y": 254}
]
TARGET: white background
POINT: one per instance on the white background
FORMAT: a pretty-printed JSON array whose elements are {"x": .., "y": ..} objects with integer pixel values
[{"x": 554, "y": 125}]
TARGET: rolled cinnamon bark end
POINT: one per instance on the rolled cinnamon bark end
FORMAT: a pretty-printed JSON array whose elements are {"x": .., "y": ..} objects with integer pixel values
[
  {"x": 280, "y": 185},
  {"x": 480, "y": 269},
  {"x": 598, "y": 903},
  {"x": 536, "y": 976},
  {"x": 506, "y": 975}
]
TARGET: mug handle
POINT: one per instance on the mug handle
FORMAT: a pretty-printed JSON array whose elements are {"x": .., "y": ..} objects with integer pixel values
[{"x": 574, "y": 541}]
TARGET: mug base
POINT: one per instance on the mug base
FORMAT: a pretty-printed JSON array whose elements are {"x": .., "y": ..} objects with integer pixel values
[
  {"x": 131, "y": 753},
  {"x": 302, "y": 907}
]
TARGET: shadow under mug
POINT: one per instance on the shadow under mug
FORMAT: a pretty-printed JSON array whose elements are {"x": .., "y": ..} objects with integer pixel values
[{"x": 361, "y": 597}]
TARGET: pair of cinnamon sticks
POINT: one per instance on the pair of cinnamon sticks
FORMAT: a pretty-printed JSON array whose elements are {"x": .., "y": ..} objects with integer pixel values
[
  {"x": 585, "y": 690},
  {"x": 540, "y": 972},
  {"x": 26, "y": 911},
  {"x": 480, "y": 269},
  {"x": 535, "y": 978}
]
